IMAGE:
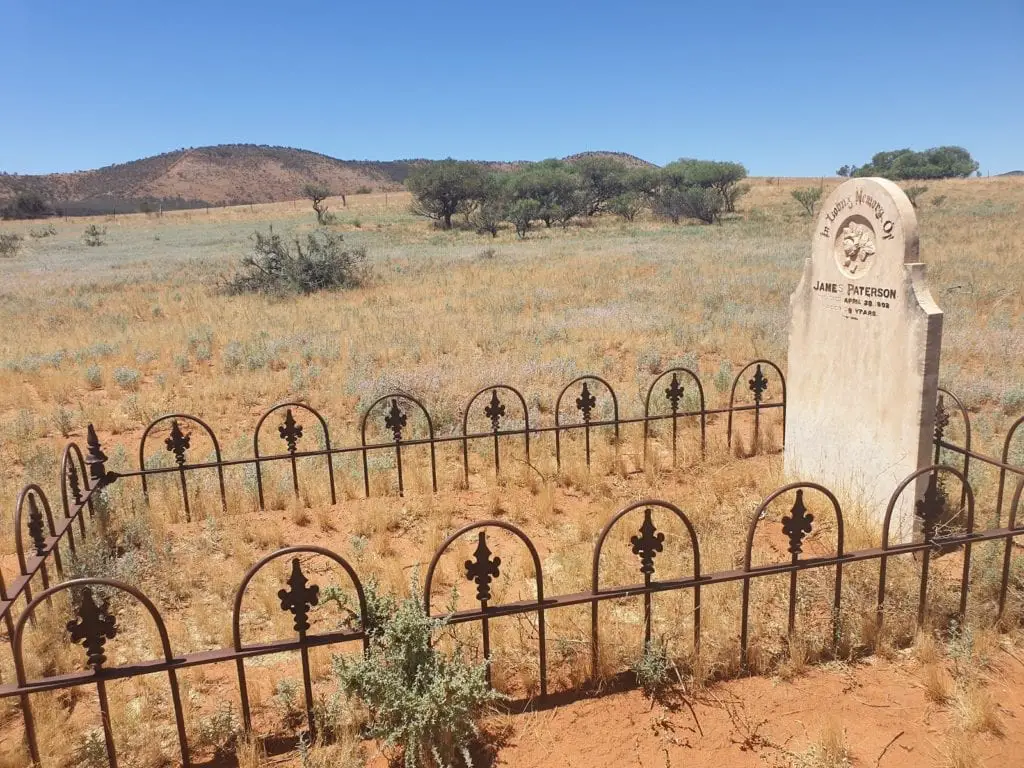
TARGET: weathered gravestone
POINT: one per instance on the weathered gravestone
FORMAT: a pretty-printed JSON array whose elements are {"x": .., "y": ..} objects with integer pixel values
[{"x": 864, "y": 345}]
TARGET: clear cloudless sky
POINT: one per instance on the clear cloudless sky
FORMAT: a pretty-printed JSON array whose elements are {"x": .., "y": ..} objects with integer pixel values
[{"x": 788, "y": 88}]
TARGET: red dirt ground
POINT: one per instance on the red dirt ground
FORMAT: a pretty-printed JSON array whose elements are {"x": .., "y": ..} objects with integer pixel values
[{"x": 882, "y": 707}]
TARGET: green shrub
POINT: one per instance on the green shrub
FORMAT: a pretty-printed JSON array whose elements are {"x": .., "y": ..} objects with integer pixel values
[
  {"x": 64, "y": 421},
  {"x": 48, "y": 231},
  {"x": 808, "y": 198},
  {"x": 653, "y": 669},
  {"x": 94, "y": 377},
  {"x": 127, "y": 378},
  {"x": 522, "y": 213},
  {"x": 626, "y": 205},
  {"x": 319, "y": 264},
  {"x": 93, "y": 236},
  {"x": 10, "y": 244},
  {"x": 418, "y": 698}
]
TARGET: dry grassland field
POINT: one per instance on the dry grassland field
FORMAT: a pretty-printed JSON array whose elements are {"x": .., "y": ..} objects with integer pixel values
[{"x": 121, "y": 334}]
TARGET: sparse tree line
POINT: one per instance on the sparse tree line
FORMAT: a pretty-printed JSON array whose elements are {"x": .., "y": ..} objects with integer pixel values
[
  {"x": 906, "y": 165},
  {"x": 558, "y": 192}
]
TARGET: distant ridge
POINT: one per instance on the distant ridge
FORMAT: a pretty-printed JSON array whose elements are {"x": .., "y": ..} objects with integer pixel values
[
  {"x": 1012, "y": 173},
  {"x": 226, "y": 174}
]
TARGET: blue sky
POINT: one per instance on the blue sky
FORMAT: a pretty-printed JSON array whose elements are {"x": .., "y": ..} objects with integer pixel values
[{"x": 787, "y": 88}]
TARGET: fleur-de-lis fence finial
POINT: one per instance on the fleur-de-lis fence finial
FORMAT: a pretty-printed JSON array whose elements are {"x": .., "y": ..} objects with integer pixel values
[
  {"x": 395, "y": 420},
  {"x": 93, "y": 627},
  {"x": 482, "y": 569},
  {"x": 299, "y": 597},
  {"x": 178, "y": 442},
  {"x": 674, "y": 392},
  {"x": 648, "y": 543},
  {"x": 35, "y": 526},
  {"x": 495, "y": 410},
  {"x": 73, "y": 483},
  {"x": 290, "y": 431},
  {"x": 758, "y": 383},
  {"x": 797, "y": 524},
  {"x": 941, "y": 419},
  {"x": 586, "y": 402},
  {"x": 95, "y": 458},
  {"x": 929, "y": 509}
]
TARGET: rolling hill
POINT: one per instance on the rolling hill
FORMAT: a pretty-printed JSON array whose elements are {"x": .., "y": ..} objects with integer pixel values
[{"x": 227, "y": 174}]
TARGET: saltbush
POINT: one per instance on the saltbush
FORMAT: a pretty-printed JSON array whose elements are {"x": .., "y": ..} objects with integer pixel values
[
  {"x": 10, "y": 244},
  {"x": 321, "y": 263},
  {"x": 418, "y": 698}
]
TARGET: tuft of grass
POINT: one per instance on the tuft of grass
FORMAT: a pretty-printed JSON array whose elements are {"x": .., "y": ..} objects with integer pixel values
[{"x": 829, "y": 750}]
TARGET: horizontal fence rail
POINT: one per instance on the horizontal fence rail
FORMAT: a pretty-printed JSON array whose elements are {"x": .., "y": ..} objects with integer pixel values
[{"x": 93, "y": 623}]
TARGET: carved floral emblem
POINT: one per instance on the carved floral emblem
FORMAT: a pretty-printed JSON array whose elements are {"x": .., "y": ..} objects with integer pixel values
[{"x": 855, "y": 248}]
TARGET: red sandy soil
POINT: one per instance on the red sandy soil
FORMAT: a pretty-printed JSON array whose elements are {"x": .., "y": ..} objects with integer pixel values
[{"x": 881, "y": 705}]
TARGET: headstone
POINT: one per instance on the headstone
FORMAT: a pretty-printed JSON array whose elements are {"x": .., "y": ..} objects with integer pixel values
[{"x": 864, "y": 342}]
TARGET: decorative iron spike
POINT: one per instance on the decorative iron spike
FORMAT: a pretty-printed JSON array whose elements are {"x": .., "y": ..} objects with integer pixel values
[
  {"x": 495, "y": 410},
  {"x": 35, "y": 525},
  {"x": 482, "y": 569},
  {"x": 95, "y": 457},
  {"x": 674, "y": 392},
  {"x": 94, "y": 626},
  {"x": 178, "y": 442},
  {"x": 648, "y": 544},
  {"x": 290, "y": 431},
  {"x": 395, "y": 420},
  {"x": 586, "y": 402},
  {"x": 758, "y": 383},
  {"x": 73, "y": 483},
  {"x": 929, "y": 508},
  {"x": 797, "y": 524},
  {"x": 300, "y": 597},
  {"x": 941, "y": 419}
]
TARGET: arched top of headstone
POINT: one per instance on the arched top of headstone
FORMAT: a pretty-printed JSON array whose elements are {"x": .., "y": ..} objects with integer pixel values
[{"x": 866, "y": 231}]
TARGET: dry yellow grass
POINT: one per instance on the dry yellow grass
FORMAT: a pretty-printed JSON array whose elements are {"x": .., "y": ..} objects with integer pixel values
[{"x": 120, "y": 334}]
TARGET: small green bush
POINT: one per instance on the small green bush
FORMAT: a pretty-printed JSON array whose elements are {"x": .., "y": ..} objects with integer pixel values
[
  {"x": 93, "y": 236},
  {"x": 653, "y": 669},
  {"x": 808, "y": 198},
  {"x": 48, "y": 231},
  {"x": 94, "y": 377},
  {"x": 418, "y": 698},
  {"x": 10, "y": 244},
  {"x": 320, "y": 264},
  {"x": 127, "y": 378}
]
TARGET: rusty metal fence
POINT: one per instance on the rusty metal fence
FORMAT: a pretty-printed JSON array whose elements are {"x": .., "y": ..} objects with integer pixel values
[
  {"x": 94, "y": 624},
  {"x": 502, "y": 405}
]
